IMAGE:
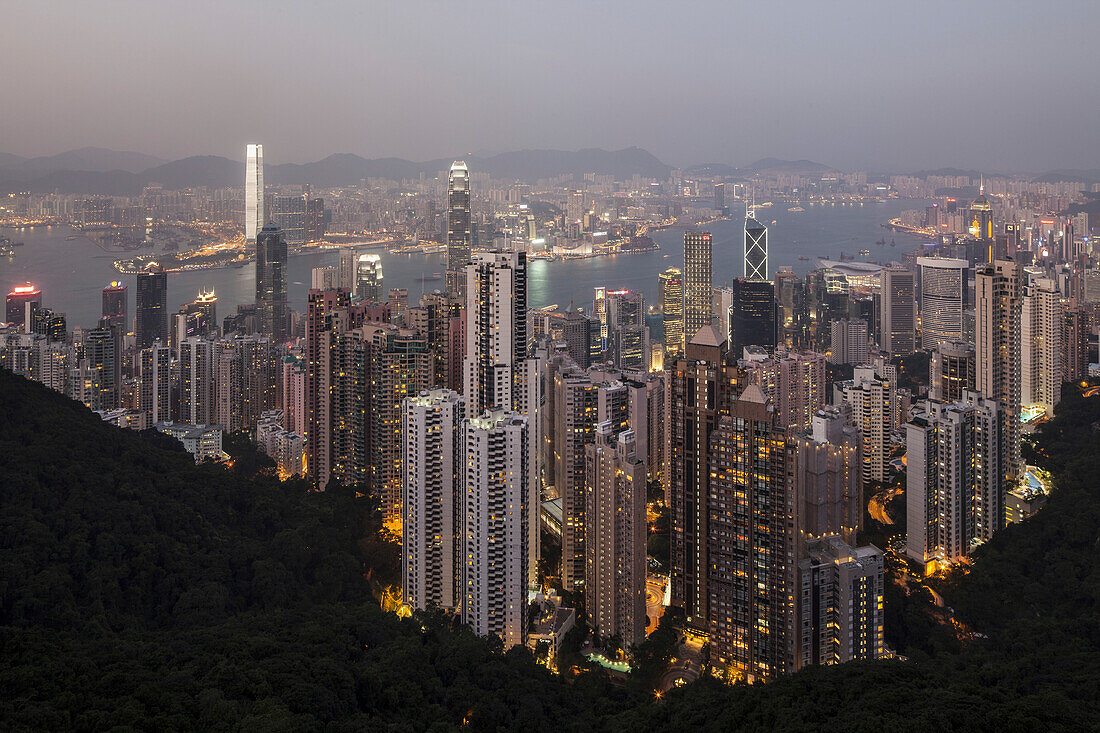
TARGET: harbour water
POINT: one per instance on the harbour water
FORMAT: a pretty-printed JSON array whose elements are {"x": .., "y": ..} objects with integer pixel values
[{"x": 72, "y": 273}]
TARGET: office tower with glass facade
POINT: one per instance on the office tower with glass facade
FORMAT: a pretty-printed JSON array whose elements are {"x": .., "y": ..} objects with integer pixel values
[
  {"x": 671, "y": 295},
  {"x": 460, "y": 236},
  {"x": 271, "y": 279},
  {"x": 697, "y": 282},
  {"x": 898, "y": 330},
  {"x": 289, "y": 214},
  {"x": 253, "y": 191},
  {"x": 369, "y": 285},
  {"x": 16, "y": 306},
  {"x": 756, "y": 248},
  {"x": 115, "y": 306},
  {"x": 752, "y": 315},
  {"x": 152, "y": 306},
  {"x": 942, "y": 299}
]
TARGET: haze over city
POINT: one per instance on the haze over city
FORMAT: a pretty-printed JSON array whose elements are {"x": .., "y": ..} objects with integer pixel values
[
  {"x": 549, "y": 366},
  {"x": 855, "y": 85}
]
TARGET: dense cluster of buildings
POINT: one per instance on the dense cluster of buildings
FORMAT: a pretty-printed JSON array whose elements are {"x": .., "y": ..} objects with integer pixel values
[{"x": 759, "y": 414}]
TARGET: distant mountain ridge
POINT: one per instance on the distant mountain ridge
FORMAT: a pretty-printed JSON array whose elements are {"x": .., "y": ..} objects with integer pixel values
[
  {"x": 764, "y": 165},
  {"x": 341, "y": 169}
]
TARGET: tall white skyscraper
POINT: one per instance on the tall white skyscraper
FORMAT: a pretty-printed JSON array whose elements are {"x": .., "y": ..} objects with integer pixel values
[
  {"x": 898, "y": 312},
  {"x": 197, "y": 372},
  {"x": 496, "y": 329},
  {"x": 154, "y": 366},
  {"x": 870, "y": 399},
  {"x": 998, "y": 291},
  {"x": 498, "y": 375},
  {"x": 1041, "y": 348},
  {"x": 496, "y": 496},
  {"x": 431, "y": 548},
  {"x": 460, "y": 237},
  {"x": 253, "y": 191}
]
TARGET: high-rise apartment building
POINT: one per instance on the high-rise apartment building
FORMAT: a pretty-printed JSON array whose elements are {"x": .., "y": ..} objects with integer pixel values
[
  {"x": 288, "y": 213},
  {"x": 953, "y": 371},
  {"x": 373, "y": 368},
  {"x": 615, "y": 572},
  {"x": 955, "y": 486},
  {"x": 671, "y": 295},
  {"x": 942, "y": 299},
  {"x": 898, "y": 329},
  {"x": 697, "y": 282},
  {"x": 432, "y": 508},
  {"x": 496, "y": 329},
  {"x": 849, "y": 341},
  {"x": 460, "y": 236},
  {"x": 840, "y": 603},
  {"x": 750, "y": 541},
  {"x": 152, "y": 306},
  {"x": 828, "y": 478},
  {"x": 326, "y": 318},
  {"x": 794, "y": 382},
  {"x": 197, "y": 394},
  {"x": 155, "y": 380},
  {"x": 1041, "y": 351},
  {"x": 271, "y": 275},
  {"x": 998, "y": 305},
  {"x": 495, "y": 502},
  {"x": 869, "y": 398},
  {"x": 253, "y": 191}
]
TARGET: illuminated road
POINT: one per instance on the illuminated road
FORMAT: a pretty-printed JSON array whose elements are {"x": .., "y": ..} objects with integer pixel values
[
  {"x": 654, "y": 601},
  {"x": 876, "y": 507}
]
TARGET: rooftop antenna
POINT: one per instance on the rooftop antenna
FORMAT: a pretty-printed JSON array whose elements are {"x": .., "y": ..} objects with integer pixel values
[
  {"x": 750, "y": 212},
  {"x": 981, "y": 184}
]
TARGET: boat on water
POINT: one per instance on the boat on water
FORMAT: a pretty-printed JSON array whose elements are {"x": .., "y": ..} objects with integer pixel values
[
  {"x": 773, "y": 222},
  {"x": 865, "y": 252},
  {"x": 429, "y": 278},
  {"x": 893, "y": 243},
  {"x": 804, "y": 258},
  {"x": 796, "y": 208},
  {"x": 69, "y": 239},
  {"x": 666, "y": 257},
  {"x": 881, "y": 241}
]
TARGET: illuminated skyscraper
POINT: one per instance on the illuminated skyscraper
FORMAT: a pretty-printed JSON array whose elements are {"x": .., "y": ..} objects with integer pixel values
[
  {"x": 496, "y": 333},
  {"x": 115, "y": 306},
  {"x": 981, "y": 216},
  {"x": 756, "y": 248},
  {"x": 152, "y": 306},
  {"x": 368, "y": 278},
  {"x": 17, "y": 302},
  {"x": 271, "y": 264},
  {"x": 459, "y": 231},
  {"x": 697, "y": 283},
  {"x": 253, "y": 191},
  {"x": 672, "y": 307},
  {"x": 953, "y": 371}
]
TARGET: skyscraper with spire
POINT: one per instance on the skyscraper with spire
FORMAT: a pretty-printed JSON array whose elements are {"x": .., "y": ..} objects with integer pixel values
[
  {"x": 253, "y": 191},
  {"x": 459, "y": 229},
  {"x": 756, "y": 247}
]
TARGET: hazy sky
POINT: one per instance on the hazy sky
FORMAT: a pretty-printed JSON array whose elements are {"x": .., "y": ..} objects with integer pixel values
[{"x": 885, "y": 85}]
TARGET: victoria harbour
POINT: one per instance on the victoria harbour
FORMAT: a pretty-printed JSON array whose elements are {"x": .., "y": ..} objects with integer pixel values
[{"x": 72, "y": 272}]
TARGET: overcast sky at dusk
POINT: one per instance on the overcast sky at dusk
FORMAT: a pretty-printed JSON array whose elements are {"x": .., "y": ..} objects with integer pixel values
[{"x": 881, "y": 85}]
